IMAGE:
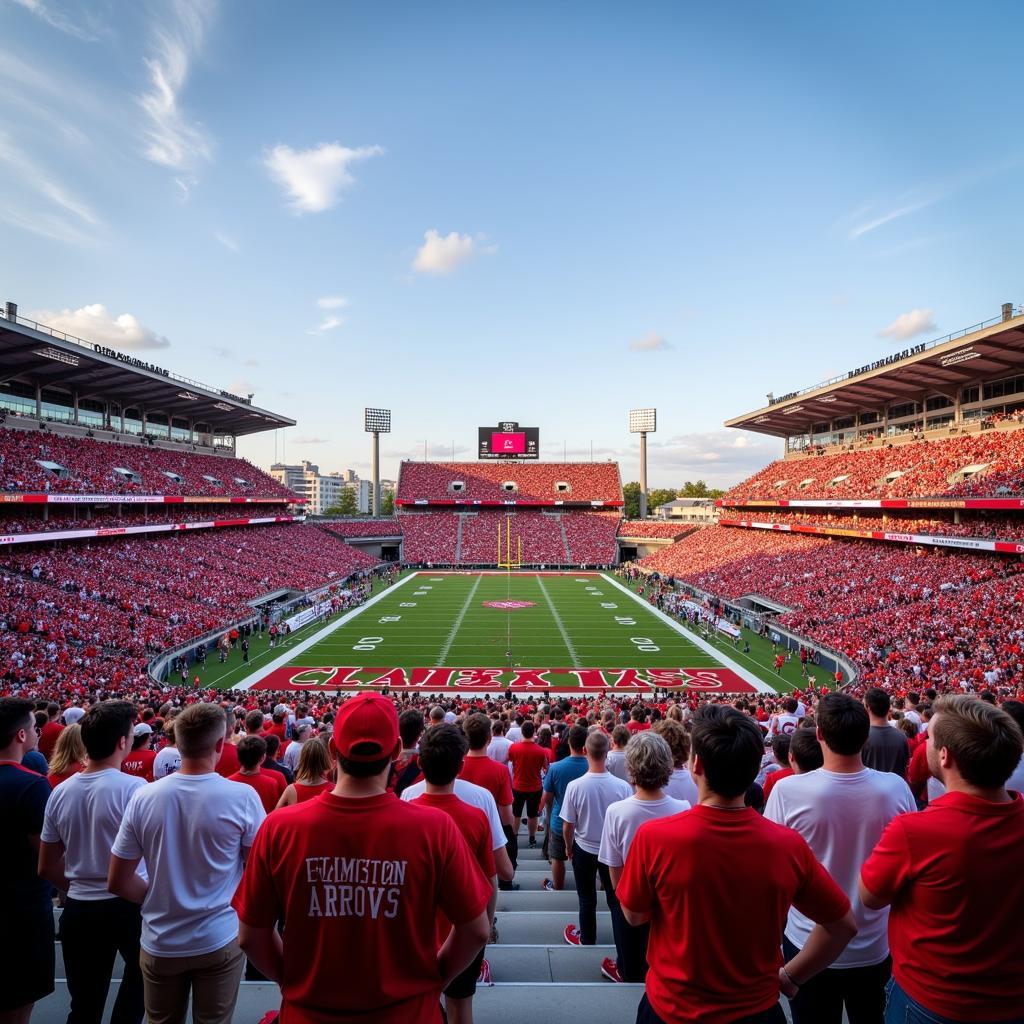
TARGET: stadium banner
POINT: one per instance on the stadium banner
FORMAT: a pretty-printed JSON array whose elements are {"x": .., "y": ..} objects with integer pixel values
[
  {"x": 141, "y": 499},
  {"x": 314, "y": 611},
  {"x": 340, "y": 679},
  {"x": 963, "y": 503},
  {"x": 967, "y": 543},
  {"x": 125, "y": 531}
]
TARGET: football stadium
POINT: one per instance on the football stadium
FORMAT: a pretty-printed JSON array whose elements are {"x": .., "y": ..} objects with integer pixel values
[{"x": 510, "y": 734}]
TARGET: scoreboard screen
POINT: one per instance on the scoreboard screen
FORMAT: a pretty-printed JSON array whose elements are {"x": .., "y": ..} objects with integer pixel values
[{"x": 509, "y": 441}]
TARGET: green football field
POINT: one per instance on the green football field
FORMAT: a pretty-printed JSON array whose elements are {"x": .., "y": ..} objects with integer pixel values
[{"x": 486, "y": 632}]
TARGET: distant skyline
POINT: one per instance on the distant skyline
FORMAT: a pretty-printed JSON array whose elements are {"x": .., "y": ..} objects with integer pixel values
[{"x": 532, "y": 212}]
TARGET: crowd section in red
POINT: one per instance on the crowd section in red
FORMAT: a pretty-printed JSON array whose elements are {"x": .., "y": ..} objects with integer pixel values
[
  {"x": 357, "y": 528},
  {"x": 666, "y": 530},
  {"x": 103, "y": 519},
  {"x": 537, "y": 482},
  {"x": 591, "y": 537},
  {"x": 925, "y": 468},
  {"x": 540, "y": 534},
  {"x": 92, "y": 466}
]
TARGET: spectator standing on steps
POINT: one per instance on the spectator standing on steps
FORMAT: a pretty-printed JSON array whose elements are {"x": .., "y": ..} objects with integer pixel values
[
  {"x": 557, "y": 780},
  {"x": 583, "y": 809},
  {"x": 887, "y": 749},
  {"x": 529, "y": 761}
]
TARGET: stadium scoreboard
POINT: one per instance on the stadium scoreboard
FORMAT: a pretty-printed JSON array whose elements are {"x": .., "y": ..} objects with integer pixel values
[{"x": 509, "y": 441}]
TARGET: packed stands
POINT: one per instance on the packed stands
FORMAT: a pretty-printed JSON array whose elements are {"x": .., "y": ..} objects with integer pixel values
[
  {"x": 591, "y": 537},
  {"x": 658, "y": 529},
  {"x": 429, "y": 537},
  {"x": 359, "y": 528},
  {"x": 91, "y": 467},
  {"x": 988, "y": 464},
  {"x": 540, "y": 533},
  {"x": 533, "y": 482}
]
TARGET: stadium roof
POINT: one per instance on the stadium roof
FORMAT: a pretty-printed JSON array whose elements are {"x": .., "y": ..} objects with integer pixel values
[
  {"x": 986, "y": 351},
  {"x": 53, "y": 359}
]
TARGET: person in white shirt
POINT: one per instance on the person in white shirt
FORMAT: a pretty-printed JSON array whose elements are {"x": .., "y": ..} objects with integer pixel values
[
  {"x": 615, "y": 762},
  {"x": 291, "y": 755},
  {"x": 82, "y": 819},
  {"x": 841, "y": 810},
  {"x": 168, "y": 759},
  {"x": 497, "y": 750},
  {"x": 649, "y": 765},
  {"x": 583, "y": 808},
  {"x": 681, "y": 785},
  {"x": 474, "y": 795},
  {"x": 787, "y": 720},
  {"x": 515, "y": 730},
  {"x": 194, "y": 830}
]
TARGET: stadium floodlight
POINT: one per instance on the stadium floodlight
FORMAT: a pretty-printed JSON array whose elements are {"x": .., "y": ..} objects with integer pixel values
[
  {"x": 643, "y": 422},
  {"x": 376, "y": 422}
]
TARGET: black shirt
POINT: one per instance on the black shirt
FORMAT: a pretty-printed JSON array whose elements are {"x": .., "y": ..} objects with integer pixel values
[
  {"x": 23, "y": 796},
  {"x": 887, "y": 750}
]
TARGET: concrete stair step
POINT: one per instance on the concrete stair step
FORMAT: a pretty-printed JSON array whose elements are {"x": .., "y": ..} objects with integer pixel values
[
  {"x": 542, "y": 926},
  {"x": 535, "y": 899}
]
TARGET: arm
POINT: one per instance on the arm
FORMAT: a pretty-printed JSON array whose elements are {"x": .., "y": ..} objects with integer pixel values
[
  {"x": 123, "y": 881},
  {"x": 616, "y": 874},
  {"x": 492, "y": 902},
  {"x": 568, "y": 832},
  {"x": 263, "y": 946},
  {"x": 823, "y": 945},
  {"x": 869, "y": 899},
  {"x": 51, "y": 865},
  {"x": 288, "y": 797},
  {"x": 462, "y": 945},
  {"x": 504, "y": 864},
  {"x": 505, "y": 814},
  {"x": 634, "y": 917}
]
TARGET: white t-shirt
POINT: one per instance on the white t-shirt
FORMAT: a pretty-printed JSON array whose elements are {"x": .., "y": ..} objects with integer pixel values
[
  {"x": 624, "y": 817},
  {"x": 192, "y": 831},
  {"x": 585, "y": 802},
  {"x": 615, "y": 763},
  {"x": 291, "y": 755},
  {"x": 474, "y": 795},
  {"x": 1014, "y": 782},
  {"x": 842, "y": 817},
  {"x": 514, "y": 734},
  {"x": 682, "y": 787},
  {"x": 497, "y": 749},
  {"x": 782, "y": 724},
  {"x": 85, "y": 817},
  {"x": 166, "y": 762}
]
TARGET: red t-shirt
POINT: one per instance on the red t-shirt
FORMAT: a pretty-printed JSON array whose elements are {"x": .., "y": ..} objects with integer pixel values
[
  {"x": 634, "y": 726},
  {"x": 528, "y": 760},
  {"x": 48, "y": 738},
  {"x": 228, "y": 763},
  {"x": 772, "y": 778},
  {"x": 360, "y": 876},
  {"x": 140, "y": 764},
  {"x": 56, "y": 780},
  {"x": 268, "y": 785},
  {"x": 482, "y": 771},
  {"x": 304, "y": 791},
  {"x": 952, "y": 874},
  {"x": 474, "y": 827},
  {"x": 718, "y": 884}
]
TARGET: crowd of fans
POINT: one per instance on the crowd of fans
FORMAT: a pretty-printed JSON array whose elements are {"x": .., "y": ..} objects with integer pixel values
[
  {"x": 919, "y": 469},
  {"x": 659, "y": 529},
  {"x": 91, "y": 468},
  {"x": 591, "y": 537},
  {"x": 362, "y": 527}
]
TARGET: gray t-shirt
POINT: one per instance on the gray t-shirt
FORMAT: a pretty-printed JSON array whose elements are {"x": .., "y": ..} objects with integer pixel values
[{"x": 886, "y": 750}]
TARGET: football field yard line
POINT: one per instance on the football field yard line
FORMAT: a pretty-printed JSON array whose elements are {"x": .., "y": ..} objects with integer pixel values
[
  {"x": 558, "y": 620},
  {"x": 697, "y": 641},
  {"x": 458, "y": 622}
]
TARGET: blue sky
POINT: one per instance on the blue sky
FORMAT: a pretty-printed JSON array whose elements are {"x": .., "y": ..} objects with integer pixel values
[{"x": 542, "y": 212}]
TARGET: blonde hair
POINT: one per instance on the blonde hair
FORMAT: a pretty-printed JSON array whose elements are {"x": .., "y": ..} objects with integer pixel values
[
  {"x": 69, "y": 751},
  {"x": 314, "y": 762}
]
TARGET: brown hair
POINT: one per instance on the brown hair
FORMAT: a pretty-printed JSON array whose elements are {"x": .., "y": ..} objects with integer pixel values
[
  {"x": 68, "y": 751},
  {"x": 985, "y": 742},
  {"x": 676, "y": 736},
  {"x": 198, "y": 728},
  {"x": 314, "y": 762}
]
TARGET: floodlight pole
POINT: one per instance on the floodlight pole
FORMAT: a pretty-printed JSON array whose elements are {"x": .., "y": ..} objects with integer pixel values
[
  {"x": 376, "y": 474},
  {"x": 376, "y": 422},
  {"x": 643, "y": 474},
  {"x": 643, "y": 422}
]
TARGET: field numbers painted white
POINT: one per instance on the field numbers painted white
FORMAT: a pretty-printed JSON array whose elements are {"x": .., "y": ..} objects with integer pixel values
[
  {"x": 625, "y": 620},
  {"x": 390, "y": 618},
  {"x": 608, "y": 604},
  {"x": 407, "y": 604},
  {"x": 643, "y": 643},
  {"x": 368, "y": 643}
]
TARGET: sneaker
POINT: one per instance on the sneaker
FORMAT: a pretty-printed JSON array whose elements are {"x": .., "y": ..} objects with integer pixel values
[
  {"x": 572, "y": 935},
  {"x": 610, "y": 969},
  {"x": 485, "y": 974},
  {"x": 547, "y": 885},
  {"x": 533, "y": 842},
  {"x": 508, "y": 887}
]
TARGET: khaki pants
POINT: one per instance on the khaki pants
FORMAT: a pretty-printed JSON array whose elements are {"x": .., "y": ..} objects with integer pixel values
[{"x": 211, "y": 979}]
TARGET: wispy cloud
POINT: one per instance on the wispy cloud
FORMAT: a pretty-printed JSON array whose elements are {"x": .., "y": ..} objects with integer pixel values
[
  {"x": 88, "y": 29},
  {"x": 172, "y": 138},
  {"x": 329, "y": 321},
  {"x": 313, "y": 179},
  {"x": 332, "y": 302},
  {"x": 311, "y": 440},
  {"x": 652, "y": 342},
  {"x": 95, "y": 323},
  {"x": 227, "y": 241},
  {"x": 909, "y": 325},
  {"x": 441, "y": 254},
  {"x": 879, "y": 219}
]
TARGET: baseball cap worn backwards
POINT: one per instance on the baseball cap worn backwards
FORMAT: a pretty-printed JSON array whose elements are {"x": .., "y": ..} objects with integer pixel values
[{"x": 366, "y": 728}]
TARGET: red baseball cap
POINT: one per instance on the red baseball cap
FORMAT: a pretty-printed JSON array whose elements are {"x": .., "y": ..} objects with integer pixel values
[{"x": 370, "y": 721}]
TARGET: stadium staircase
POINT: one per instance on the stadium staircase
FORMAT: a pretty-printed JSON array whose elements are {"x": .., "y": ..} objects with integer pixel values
[
  {"x": 565, "y": 540},
  {"x": 458, "y": 539},
  {"x": 534, "y": 970}
]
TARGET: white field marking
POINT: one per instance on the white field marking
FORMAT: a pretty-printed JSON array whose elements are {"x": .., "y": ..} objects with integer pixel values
[
  {"x": 697, "y": 641},
  {"x": 298, "y": 649},
  {"x": 558, "y": 622},
  {"x": 458, "y": 622}
]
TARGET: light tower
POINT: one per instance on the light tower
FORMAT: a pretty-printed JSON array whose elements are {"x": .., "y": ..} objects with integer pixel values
[
  {"x": 377, "y": 422},
  {"x": 643, "y": 422}
]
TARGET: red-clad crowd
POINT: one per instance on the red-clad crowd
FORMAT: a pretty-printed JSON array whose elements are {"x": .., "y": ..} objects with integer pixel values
[{"x": 666, "y": 530}]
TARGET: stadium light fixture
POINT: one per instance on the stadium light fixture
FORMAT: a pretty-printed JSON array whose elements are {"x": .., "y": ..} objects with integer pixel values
[
  {"x": 643, "y": 422},
  {"x": 376, "y": 422}
]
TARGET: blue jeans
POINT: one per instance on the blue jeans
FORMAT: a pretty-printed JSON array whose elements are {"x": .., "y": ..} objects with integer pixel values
[{"x": 901, "y": 1009}]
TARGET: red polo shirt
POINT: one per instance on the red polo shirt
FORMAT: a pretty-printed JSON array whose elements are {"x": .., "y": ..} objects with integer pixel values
[
  {"x": 482, "y": 771},
  {"x": 953, "y": 877},
  {"x": 268, "y": 785},
  {"x": 528, "y": 760}
]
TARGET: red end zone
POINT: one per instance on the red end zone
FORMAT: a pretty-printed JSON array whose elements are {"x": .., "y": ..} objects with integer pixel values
[{"x": 337, "y": 679}]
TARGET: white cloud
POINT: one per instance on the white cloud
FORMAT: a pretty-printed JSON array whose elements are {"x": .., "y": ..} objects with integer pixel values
[
  {"x": 172, "y": 138},
  {"x": 313, "y": 179},
  {"x": 907, "y": 325},
  {"x": 332, "y": 302},
  {"x": 651, "y": 342},
  {"x": 310, "y": 440},
  {"x": 227, "y": 241},
  {"x": 94, "y": 323},
  {"x": 241, "y": 386},
  {"x": 441, "y": 254},
  {"x": 329, "y": 323},
  {"x": 59, "y": 20}
]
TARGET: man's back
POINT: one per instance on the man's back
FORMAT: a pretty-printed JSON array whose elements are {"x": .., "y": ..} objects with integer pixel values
[
  {"x": 190, "y": 830},
  {"x": 585, "y": 802},
  {"x": 557, "y": 780},
  {"x": 489, "y": 775},
  {"x": 268, "y": 786},
  {"x": 528, "y": 761},
  {"x": 887, "y": 750},
  {"x": 498, "y": 749}
]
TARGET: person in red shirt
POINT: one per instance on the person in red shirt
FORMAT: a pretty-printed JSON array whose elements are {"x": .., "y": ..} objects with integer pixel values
[
  {"x": 442, "y": 750},
  {"x": 252, "y": 752},
  {"x": 637, "y": 720},
  {"x": 695, "y": 875},
  {"x": 228, "y": 763},
  {"x": 140, "y": 761},
  {"x": 952, "y": 877},
  {"x": 361, "y": 871},
  {"x": 529, "y": 762},
  {"x": 483, "y": 771},
  {"x": 51, "y": 730}
]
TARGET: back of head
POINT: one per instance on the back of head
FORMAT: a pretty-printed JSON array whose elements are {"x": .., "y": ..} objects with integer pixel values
[
  {"x": 442, "y": 751},
  {"x": 314, "y": 761},
  {"x": 15, "y": 714},
  {"x": 478, "y": 731},
  {"x": 790, "y": 704},
  {"x": 620, "y": 736},
  {"x": 498, "y": 727},
  {"x": 436, "y": 714},
  {"x": 273, "y": 745},
  {"x": 730, "y": 747},
  {"x": 254, "y": 721},
  {"x": 984, "y": 741},
  {"x": 68, "y": 751},
  {"x": 649, "y": 760},
  {"x": 678, "y": 739},
  {"x": 528, "y": 729},
  {"x": 844, "y": 723},
  {"x": 251, "y": 751},
  {"x": 1015, "y": 709},
  {"x": 877, "y": 702},
  {"x": 198, "y": 728},
  {"x": 104, "y": 725},
  {"x": 578, "y": 738},
  {"x": 805, "y": 750},
  {"x": 410, "y": 728},
  {"x": 780, "y": 747},
  {"x": 597, "y": 745}
]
